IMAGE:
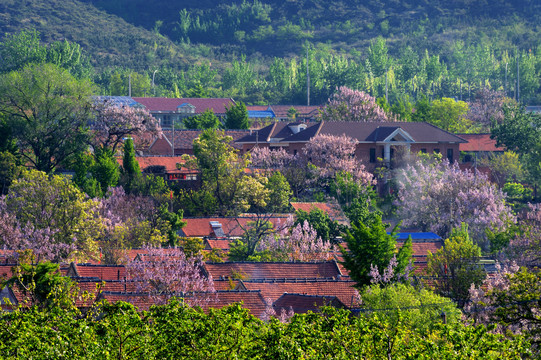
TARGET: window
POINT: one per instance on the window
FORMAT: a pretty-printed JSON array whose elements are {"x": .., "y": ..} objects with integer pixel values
[
  {"x": 436, "y": 151},
  {"x": 423, "y": 151},
  {"x": 450, "y": 155},
  {"x": 372, "y": 155}
]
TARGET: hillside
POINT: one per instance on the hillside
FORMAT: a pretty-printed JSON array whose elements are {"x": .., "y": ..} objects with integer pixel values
[
  {"x": 255, "y": 50},
  {"x": 108, "y": 39}
]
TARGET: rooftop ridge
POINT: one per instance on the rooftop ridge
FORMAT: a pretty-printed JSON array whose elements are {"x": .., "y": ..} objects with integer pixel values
[{"x": 272, "y": 262}]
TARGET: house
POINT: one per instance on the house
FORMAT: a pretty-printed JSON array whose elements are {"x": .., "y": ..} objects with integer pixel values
[
  {"x": 272, "y": 289},
  {"x": 170, "y": 110},
  {"x": 272, "y": 270},
  {"x": 332, "y": 209},
  {"x": 385, "y": 140},
  {"x": 478, "y": 146},
  {"x": 224, "y": 227},
  {"x": 182, "y": 141},
  {"x": 167, "y": 167}
]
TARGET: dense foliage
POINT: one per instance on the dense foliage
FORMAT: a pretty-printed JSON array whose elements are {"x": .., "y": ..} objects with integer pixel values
[{"x": 176, "y": 331}]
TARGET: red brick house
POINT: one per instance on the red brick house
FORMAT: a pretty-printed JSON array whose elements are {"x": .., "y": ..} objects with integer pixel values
[{"x": 374, "y": 139}]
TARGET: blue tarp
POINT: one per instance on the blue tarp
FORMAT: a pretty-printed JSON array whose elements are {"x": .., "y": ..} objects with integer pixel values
[{"x": 417, "y": 236}]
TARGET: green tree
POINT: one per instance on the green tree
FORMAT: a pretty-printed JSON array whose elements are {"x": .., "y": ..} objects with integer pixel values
[
  {"x": 450, "y": 115},
  {"x": 55, "y": 204},
  {"x": 456, "y": 266},
  {"x": 519, "y": 131},
  {"x": 48, "y": 111},
  {"x": 328, "y": 230},
  {"x": 370, "y": 245},
  {"x": 131, "y": 170},
  {"x": 419, "y": 308},
  {"x": 223, "y": 175},
  {"x": 279, "y": 193},
  {"x": 206, "y": 120},
  {"x": 236, "y": 117}
]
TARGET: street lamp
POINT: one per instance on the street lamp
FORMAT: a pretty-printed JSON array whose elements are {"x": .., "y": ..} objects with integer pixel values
[{"x": 153, "y": 85}]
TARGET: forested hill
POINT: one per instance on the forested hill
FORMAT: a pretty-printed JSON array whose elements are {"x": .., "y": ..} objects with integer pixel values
[
  {"x": 278, "y": 27},
  {"x": 255, "y": 50},
  {"x": 107, "y": 38}
]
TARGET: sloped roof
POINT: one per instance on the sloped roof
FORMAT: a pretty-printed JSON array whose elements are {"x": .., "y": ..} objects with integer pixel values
[
  {"x": 301, "y": 303},
  {"x": 479, "y": 142},
  {"x": 273, "y": 289},
  {"x": 365, "y": 131},
  {"x": 251, "y": 300},
  {"x": 276, "y": 130},
  {"x": 231, "y": 226},
  {"x": 333, "y": 210},
  {"x": 273, "y": 270},
  {"x": 169, "y": 162},
  {"x": 222, "y": 244},
  {"x": 103, "y": 272},
  {"x": 217, "y": 105}
]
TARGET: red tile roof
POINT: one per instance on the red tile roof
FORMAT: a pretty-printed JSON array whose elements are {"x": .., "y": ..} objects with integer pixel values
[
  {"x": 273, "y": 289},
  {"x": 169, "y": 162},
  {"x": 217, "y": 105},
  {"x": 231, "y": 226},
  {"x": 478, "y": 142},
  {"x": 102, "y": 272},
  {"x": 251, "y": 300},
  {"x": 273, "y": 270},
  {"x": 222, "y": 244},
  {"x": 333, "y": 210}
]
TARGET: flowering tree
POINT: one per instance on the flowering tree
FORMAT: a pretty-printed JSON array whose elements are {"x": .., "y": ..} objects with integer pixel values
[
  {"x": 352, "y": 105},
  {"x": 486, "y": 109},
  {"x": 131, "y": 221},
  {"x": 296, "y": 243},
  {"x": 292, "y": 167},
  {"x": 335, "y": 154},
  {"x": 111, "y": 124},
  {"x": 509, "y": 299},
  {"x": 524, "y": 248},
  {"x": 53, "y": 205},
  {"x": 41, "y": 242},
  {"x": 329, "y": 154},
  {"x": 439, "y": 197},
  {"x": 165, "y": 273}
]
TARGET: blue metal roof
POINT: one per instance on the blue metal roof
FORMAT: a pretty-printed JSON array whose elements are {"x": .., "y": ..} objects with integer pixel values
[
  {"x": 260, "y": 114},
  {"x": 417, "y": 236}
]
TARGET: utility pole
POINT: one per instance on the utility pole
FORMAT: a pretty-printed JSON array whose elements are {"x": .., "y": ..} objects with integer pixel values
[
  {"x": 518, "y": 78},
  {"x": 129, "y": 85},
  {"x": 505, "y": 84},
  {"x": 153, "y": 85},
  {"x": 386, "y": 87},
  {"x": 307, "y": 77}
]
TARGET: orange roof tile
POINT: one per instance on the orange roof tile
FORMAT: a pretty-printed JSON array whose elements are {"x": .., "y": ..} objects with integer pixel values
[
  {"x": 231, "y": 226},
  {"x": 333, "y": 210},
  {"x": 169, "y": 162},
  {"x": 478, "y": 142},
  {"x": 273, "y": 270},
  {"x": 103, "y": 272},
  {"x": 273, "y": 289},
  {"x": 251, "y": 300}
]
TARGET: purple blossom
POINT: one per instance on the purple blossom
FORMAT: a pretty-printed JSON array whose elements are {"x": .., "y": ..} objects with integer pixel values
[{"x": 164, "y": 273}]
